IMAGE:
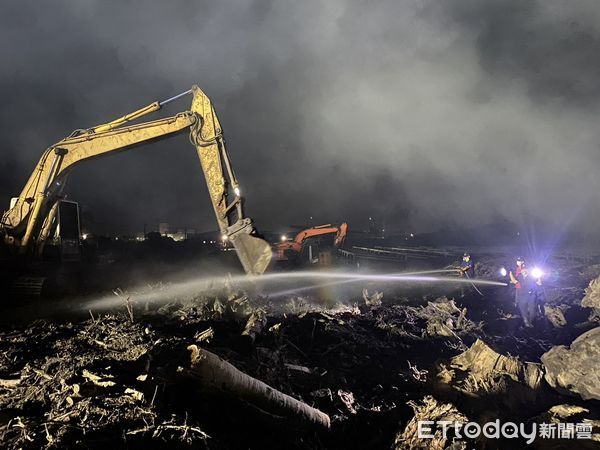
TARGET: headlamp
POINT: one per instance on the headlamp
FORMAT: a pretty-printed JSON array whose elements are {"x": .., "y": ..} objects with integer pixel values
[{"x": 537, "y": 272}]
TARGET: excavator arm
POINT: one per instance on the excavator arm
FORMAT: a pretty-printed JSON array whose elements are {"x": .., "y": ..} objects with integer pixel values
[
  {"x": 340, "y": 233},
  {"x": 321, "y": 230},
  {"x": 27, "y": 223}
]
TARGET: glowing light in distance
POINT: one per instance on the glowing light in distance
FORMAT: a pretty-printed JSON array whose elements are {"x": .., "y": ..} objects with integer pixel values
[{"x": 537, "y": 272}]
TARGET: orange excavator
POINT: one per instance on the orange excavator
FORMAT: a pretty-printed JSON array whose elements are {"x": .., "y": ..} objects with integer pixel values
[{"x": 291, "y": 250}]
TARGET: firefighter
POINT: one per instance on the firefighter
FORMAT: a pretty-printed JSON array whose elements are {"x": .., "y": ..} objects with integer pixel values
[
  {"x": 525, "y": 291},
  {"x": 514, "y": 275},
  {"x": 466, "y": 270},
  {"x": 467, "y": 267}
]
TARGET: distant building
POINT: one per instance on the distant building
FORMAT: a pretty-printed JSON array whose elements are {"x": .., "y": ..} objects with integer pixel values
[
  {"x": 179, "y": 236},
  {"x": 163, "y": 228}
]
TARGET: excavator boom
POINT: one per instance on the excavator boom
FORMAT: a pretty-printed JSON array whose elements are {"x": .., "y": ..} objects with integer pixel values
[{"x": 26, "y": 224}]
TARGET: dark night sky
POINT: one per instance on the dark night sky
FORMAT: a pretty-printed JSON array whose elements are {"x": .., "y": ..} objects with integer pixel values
[{"x": 424, "y": 113}]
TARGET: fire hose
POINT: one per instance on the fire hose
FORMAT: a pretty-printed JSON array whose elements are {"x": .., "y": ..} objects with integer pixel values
[
  {"x": 473, "y": 284},
  {"x": 468, "y": 277}
]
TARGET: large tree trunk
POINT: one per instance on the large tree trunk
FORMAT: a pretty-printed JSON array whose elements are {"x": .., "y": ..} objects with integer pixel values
[{"x": 215, "y": 375}]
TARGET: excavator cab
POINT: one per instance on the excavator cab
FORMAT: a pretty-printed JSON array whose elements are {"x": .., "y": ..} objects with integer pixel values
[
  {"x": 63, "y": 241},
  {"x": 52, "y": 266},
  {"x": 68, "y": 231}
]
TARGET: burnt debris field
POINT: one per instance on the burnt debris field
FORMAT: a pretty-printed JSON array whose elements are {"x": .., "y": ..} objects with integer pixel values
[
  {"x": 270, "y": 225},
  {"x": 332, "y": 363}
]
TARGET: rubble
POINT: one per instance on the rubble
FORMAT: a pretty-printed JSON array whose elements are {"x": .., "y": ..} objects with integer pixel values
[
  {"x": 79, "y": 380},
  {"x": 429, "y": 409},
  {"x": 444, "y": 318},
  {"x": 568, "y": 413},
  {"x": 372, "y": 300},
  {"x": 255, "y": 324},
  {"x": 309, "y": 373},
  {"x": 555, "y": 315},
  {"x": 574, "y": 369},
  {"x": 559, "y": 413},
  {"x": 484, "y": 371},
  {"x": 592, "y": 300},
  {"x": 592, "y": 295},
  {"x": 348, "y": 400},
  {"x": 440, "y": 318}
]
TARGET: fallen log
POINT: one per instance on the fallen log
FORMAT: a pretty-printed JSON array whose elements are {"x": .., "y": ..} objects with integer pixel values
[
  {"x": 9, "y": 383},
  {"x": 213, "y": 374}
]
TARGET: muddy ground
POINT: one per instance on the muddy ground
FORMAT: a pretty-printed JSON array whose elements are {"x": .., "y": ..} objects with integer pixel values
[{"x": 112, "y": 373}]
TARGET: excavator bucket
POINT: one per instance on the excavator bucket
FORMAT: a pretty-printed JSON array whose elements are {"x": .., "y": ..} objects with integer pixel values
[{"x": 254, "y": 253}]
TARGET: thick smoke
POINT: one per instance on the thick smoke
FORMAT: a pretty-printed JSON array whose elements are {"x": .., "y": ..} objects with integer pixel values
[{"x": 424, "y": 114}]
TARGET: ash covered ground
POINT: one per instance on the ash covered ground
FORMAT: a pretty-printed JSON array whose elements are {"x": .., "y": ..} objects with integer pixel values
[{"x": 365, "y": 358}]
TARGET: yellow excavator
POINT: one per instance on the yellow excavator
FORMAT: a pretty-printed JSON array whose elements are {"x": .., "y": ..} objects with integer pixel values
[{"x": 41, "y": 208}]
